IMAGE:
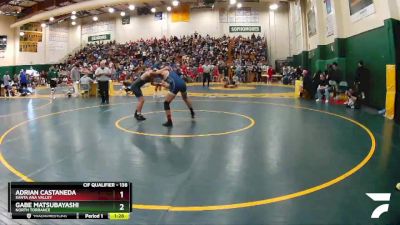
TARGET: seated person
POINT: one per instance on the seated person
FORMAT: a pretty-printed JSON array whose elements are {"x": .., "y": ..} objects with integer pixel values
[
  {"x": 307, "y": 89},
  {"x": 323, "y": 89},
  {"x": 235, "y": 80},
  {"x": 230, "y": 83},
  {"x": 85, "y": 83},
  {"x": 353, "y": 98}
]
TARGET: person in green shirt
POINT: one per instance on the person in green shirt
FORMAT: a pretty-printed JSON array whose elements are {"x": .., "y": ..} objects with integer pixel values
[
  {"x": 53, "y": 80},
  {"x": 53, "y": 74}
]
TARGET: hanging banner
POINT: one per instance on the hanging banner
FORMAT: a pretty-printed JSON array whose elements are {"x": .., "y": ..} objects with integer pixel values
[
  {"x": 3, "y": 42},
  {"x": 158, "y": 16},
  {"x": 181, "y": 13},
  {"x": 3, "y": 45},
  {"x": 311, "y": 20},
  {"x": 328, "y": 5},
  {"x": 330, "y": 19},
  {"x": 28, "y": 46},
  {"x": 103, "y": 37},
  {"x": 126, "y": 20},
  {"x": 32, "y": 36},
  {"x": 360, "y": 9},
  {"x": 330, "y": 25},
  {"x": 244, "y": 29}
]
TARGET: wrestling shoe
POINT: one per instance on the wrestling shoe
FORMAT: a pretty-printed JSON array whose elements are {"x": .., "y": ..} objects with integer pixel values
[
  {"x": 167, "y": 124},
  {"x": 139, "y": 117}
]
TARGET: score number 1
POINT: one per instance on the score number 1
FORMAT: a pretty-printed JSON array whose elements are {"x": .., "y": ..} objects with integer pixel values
[{"x": 121, "y": 206}]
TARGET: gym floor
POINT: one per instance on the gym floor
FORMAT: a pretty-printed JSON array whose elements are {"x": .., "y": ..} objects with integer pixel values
[{"x": 254, "y": 155}]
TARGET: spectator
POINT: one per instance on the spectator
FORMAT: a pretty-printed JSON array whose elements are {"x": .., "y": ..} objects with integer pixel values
[
  {"x": 7, "y": 84},
  {"x": 270, "y": 72},
  {"x": 259, "y": 72},
  {"x": 353, "y": 100},
  {"x": 315, "y": 81},
  {"x": 23, "y": 80},
  {"x": 191, "y": 50},
  {"x": 335, "y": 73},
  {"x": 75, "y": 76},
  {"x": 361, "y": 80},
  {"x": 323, "y": 89},
  {"x": 307, "y": 91},
  {"x": 85, "y": 82},
  {"x": 53, "y": 81}
]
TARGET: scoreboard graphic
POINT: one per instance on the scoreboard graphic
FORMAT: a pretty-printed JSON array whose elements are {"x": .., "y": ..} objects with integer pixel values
[{"x": 70, "y": 200}]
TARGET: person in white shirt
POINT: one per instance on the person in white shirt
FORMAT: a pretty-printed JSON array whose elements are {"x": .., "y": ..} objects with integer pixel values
[
  {"x": 75, "y": 76},
  {"x": 103, "y": 75},
  {"x": 7, "y": 84},
  {"x": 207, "y": 74}
]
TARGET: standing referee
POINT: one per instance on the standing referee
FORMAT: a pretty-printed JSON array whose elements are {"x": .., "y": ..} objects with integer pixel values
[
  {"x": 103, "y": 75},
  {"x": 207, "y": 74}
]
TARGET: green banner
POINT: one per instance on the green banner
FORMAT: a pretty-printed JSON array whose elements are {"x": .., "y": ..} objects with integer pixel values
[
  {"x": 103, "y": 37},
  {"x": 243, "y": 29}
]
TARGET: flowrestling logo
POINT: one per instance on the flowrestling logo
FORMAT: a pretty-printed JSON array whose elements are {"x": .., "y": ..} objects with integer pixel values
[{"x": 379, "y": 197}]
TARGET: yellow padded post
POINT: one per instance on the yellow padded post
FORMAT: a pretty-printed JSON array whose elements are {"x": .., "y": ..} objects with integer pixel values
[
  {"x": 390, "y": 90},
  {"x": 297, "y": 88},
  {"x": 111, "y": 90}
]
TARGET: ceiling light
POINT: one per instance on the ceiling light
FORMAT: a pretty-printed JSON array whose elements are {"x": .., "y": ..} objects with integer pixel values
[
  {"x": 123, "y": 13},
  {"x": 21, "y": 33},
  {"x": 131, "y": 7},
  {"x": 95, "y": 18},
  {"x": 232, "y": 2},
  {"x": 111, "y": 10},
  {"x": 239, "y": 5},
  {"x": 175, "y": 3},
  {"x": 51, "y": 19},
  {"x": 73, "y": 12},
  {"x": 169, "y": 8},
  {"x": 73, "y": 17},
  {"x": 153, "y": 10},
  {"x": 274, "y": 6},
  {"x": 73, "y": 23},
  {"x": 43, "y": 25}
]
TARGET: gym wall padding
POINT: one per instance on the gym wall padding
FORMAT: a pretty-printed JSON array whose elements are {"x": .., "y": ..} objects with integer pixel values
[{"x": 374, "y": 47}]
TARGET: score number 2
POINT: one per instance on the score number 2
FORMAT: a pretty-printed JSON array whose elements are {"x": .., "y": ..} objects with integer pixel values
[{"x": 121, "y": 206}]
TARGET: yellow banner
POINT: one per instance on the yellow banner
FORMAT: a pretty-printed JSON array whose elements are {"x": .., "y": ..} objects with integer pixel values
[
  {"x": 32, "y": 35},
  {"x": 28, "y": 46},
  {"x": 181, "y": 13}
]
